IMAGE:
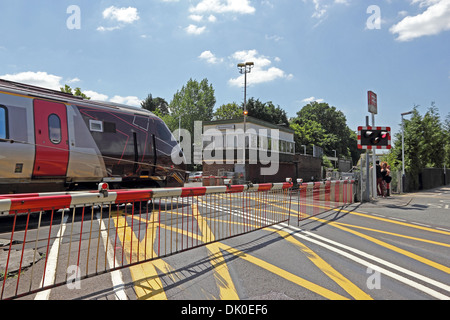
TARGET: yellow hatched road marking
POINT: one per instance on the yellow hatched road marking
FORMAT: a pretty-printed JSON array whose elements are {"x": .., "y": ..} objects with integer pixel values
[
  {"x": 394, "y": 234},
  {"x": 227, "y": 290},
  {"x": 337, "y": 277},
  {"x": 389, "y": 246},
  {"x": 284, "y": 274},
  {"x": 148, "y": 285},
  {"x": 380, "y": 219}
]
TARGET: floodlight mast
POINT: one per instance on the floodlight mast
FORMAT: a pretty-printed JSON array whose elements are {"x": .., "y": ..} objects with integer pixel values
[{"x": 245, "y": 68}]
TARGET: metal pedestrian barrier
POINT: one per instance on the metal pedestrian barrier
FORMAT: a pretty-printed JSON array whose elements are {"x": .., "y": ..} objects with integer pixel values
[
  {"x": 314, "y": 198},
  {"x": 58, "y": 238}
]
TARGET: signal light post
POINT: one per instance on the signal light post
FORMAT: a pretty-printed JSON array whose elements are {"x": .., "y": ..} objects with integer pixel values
[
  {"x": 370, "y": 138},
  {"x": 374, "y": 138}
]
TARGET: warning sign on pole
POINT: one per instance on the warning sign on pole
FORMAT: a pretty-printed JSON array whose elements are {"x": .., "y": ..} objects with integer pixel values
[{"x": 373, "y": 104}]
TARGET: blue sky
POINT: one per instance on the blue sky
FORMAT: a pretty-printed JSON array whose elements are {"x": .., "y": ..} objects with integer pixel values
[{"x": 304, "y": 50}]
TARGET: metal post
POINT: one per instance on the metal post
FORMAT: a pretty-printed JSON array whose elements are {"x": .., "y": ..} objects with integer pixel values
[
  {"x": 367, "y": 168},
  {"x": 245, "y": 124},
  {"x": 245, "y": 68},
  {"x": 374, "y": 173},
  {"x": 403, "y": 150},
  {"x": 403, "y": 157}
]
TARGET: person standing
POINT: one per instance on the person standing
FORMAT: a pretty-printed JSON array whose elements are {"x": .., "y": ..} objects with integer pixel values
[
  {"x": 384, "y": 174},
  {"x": 379, "y": 178},
  {"x": 388, "y": 179}
]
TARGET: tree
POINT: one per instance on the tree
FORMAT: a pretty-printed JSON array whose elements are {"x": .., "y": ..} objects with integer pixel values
[
  {"x": 228, "y": 112},
  {"x": 194, "y": 102},
  {"x": 159, "y": 106},
  {"x": 266, "y": 112},
  {"x": 447, "y": 140},
  {"x": 77, "y": 93},
  {"x": 426, "y": 142},
  {"x": 324, "y": 126}
]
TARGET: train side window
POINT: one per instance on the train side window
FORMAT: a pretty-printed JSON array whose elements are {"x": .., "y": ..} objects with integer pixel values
[
  {"x": 54, "y": 128},
  {"x": 3, "y": 123},
  {"x": 96, "y": 126}
]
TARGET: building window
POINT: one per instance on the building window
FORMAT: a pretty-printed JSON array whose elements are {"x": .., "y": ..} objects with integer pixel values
[
  {"x": 3, "y": 123},
  {"x": 54, "y": 128}
]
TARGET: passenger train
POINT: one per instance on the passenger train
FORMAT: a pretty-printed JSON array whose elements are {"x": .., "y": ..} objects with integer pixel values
[{"x": 53, "y": 141}]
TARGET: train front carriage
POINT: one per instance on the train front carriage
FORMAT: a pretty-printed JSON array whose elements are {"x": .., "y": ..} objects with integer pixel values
[{"x": 53, "y": 141}]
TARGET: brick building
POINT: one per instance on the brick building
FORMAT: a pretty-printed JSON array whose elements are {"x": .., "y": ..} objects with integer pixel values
[{"x": 269, "y": 152}]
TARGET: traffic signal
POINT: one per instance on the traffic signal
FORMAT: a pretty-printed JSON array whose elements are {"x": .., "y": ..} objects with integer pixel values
[
  {"x": 374, "y": 138},
  {"x": 245, "y": 113}
]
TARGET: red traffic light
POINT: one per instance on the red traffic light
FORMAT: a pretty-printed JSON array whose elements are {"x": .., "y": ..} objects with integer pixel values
[{"x": 374, "y": 138}]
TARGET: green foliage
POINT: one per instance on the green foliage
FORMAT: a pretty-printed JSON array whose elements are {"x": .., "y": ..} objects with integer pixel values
[
  {"x": 158, "y": 105},
  {"x": 266, "y": 112},
  {"x": 327, "y": 162},
  {"x": 426, "y": 142},
  {"x": 194, "y": 102},
  {"x": 324, "y": 126},
  {"x": 228, "y": 111},
  {"x": 77, "y": 93}
]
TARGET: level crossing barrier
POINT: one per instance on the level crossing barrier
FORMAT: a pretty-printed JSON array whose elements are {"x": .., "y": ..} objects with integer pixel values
[
  {"x": 57, "y": 239},
  {"x": 313, "y": 198}
]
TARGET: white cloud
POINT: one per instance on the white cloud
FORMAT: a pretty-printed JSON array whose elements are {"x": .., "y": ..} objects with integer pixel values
[
  {"x": 40, "y": 79},
  {"x": 95, "y": 95},
  {"x": 321, "y": 7},
  {"x": 130, "y": 100},
  {"x": 311, "y": 99},
  {"x": 434, "y": 20},
  {"x": 193, "y": 29},
  {"x": 50, "y": 81},
  {"x": 209, "y": 57},
  {"x": 101, "y": 28},
  {"x": 262, "y": 71},
  {"x": 223, "y": 6},
  {"x": 74, "y": 80},
  {"x": 125, "y": 15},
  {"x": 196, "y": 17},
  {"x": 275, "y": 38},
  {"x": 121, "y": 15}
]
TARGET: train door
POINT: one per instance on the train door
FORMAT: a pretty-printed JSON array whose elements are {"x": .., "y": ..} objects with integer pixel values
[{"x": 52, "y": 143}]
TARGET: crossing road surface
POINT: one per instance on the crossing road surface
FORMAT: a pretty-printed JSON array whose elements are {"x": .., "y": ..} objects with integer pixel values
[{"x": 394, "y": 248}]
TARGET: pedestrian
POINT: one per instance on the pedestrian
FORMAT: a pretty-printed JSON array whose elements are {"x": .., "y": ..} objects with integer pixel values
[
  {"x": 388, "y": 179},
  {"x": 384, "y": 177},
  {"x": 379, "y": 178}
]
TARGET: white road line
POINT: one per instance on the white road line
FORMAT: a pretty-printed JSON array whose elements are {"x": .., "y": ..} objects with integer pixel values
[
  {"x": 116, "y": 276},
  {"x": 52, "y": 262},
  {"x": 308, "y": 236},
  {"x": 421, "y": 224},
  {"x": 379, "y": 260},
  {"x": 397, "y": 219}
]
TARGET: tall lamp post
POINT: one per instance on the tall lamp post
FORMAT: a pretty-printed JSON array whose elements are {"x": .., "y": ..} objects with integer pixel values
[
  {"x": 403, "y": 148},
  {"x": 245, "y": 68}
]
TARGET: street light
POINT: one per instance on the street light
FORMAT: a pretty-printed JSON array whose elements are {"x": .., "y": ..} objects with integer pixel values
[
  {"x": 335, "y": 159},
  {"x": 403, "y": 147},
  {"x": 245, "y": 68}
]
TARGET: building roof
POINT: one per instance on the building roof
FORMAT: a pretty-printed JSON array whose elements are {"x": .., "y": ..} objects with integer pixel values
[{"x": 250, "y": 120}]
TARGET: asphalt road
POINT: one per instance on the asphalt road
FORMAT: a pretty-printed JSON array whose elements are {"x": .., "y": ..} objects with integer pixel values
[{"x": 393, "y": 248}]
